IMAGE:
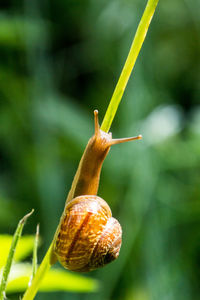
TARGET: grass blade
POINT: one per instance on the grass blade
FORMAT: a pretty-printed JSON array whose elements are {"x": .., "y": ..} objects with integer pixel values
[
  {"x": 34, "y": 265},
  {"x": 129, "y": 64},
  {"x": 11, "y": 253},
  {"x": 42, "y": 270}
]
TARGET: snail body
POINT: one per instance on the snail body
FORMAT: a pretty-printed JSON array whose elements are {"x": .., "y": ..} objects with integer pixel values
[{"x": 88, "y": 237}]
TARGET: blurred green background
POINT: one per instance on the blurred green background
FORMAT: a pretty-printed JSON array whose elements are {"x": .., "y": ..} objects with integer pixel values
[{"x": 60, "y": 60}]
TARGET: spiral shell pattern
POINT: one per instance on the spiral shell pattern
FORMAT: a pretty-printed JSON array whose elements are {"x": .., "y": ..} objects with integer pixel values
[{"x": 88, "y": 236}]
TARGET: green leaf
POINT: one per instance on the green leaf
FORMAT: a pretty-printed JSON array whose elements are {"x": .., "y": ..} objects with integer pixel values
[
  {"x": 24, "y": 247},
  {"x": 55, "y": 280}
]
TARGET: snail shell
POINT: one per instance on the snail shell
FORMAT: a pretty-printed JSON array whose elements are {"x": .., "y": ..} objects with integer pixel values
[{"x": 89, "y": 237}]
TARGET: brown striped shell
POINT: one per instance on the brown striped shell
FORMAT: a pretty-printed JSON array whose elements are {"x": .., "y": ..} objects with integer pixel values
[{"x": 88, "y": 237}]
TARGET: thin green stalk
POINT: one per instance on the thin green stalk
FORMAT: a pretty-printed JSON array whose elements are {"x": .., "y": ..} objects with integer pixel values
[
  {"x": 35, "y": 247},
  {"x": 35, "y": 250},
  {"x": 41, "y": 271},
  {"x": 109, "y": 116},
  {"x": 11, "y": 253},
  {"x": 129, "y": 64}
]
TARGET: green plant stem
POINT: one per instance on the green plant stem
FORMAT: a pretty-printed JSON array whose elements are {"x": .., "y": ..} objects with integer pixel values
[
  {"x": 129, "y": 64},
  {"x": 41, "y": 271},
  {"x": 11, "y": 253},
  {"x": 35, "y": 247},
  {"x": 35, "y": 251},
  {"x": 109, "y": 116}
]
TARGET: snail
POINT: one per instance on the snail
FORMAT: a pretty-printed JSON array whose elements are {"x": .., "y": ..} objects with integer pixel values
[{"x": 88, "y": 237}]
